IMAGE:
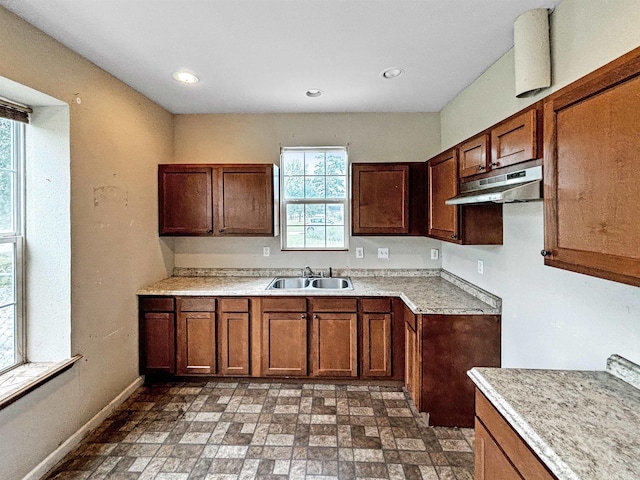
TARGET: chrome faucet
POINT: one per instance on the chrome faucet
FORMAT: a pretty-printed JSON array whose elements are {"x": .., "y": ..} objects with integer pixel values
[{"x": 307, "y": 272}]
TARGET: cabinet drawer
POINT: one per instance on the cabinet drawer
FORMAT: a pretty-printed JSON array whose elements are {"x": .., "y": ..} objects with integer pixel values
[
  {"x": 527, "y": 463},
  {"x": 234, "y": 304},
  {"x": 294, "y": 304},
  {"x": 156, "y": 304},
  {"x": 376, "y": 305},
  {"x": 334, "y": 304},
  {"x": 197, "y": 304}
]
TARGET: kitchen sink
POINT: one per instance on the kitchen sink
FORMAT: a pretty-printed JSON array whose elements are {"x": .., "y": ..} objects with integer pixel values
[{"x": 304, "y": 283}]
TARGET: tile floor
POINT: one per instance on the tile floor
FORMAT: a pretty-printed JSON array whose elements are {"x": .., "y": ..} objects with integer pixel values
[{"x": 245, "y": 430}]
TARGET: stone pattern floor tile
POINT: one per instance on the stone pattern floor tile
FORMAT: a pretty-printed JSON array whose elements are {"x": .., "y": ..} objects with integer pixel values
[{"x": 258, "y": 430}]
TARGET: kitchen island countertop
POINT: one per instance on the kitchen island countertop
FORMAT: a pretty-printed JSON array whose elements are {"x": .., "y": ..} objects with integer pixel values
[
  {"x": 583, "y": 425},
  {"x": 435, "y": 292}
]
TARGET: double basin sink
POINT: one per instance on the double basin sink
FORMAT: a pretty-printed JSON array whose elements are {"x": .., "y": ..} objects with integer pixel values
[{"x": 305, "y": 283}]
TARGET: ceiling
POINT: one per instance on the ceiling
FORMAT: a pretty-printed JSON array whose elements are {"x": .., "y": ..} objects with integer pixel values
[{"x": 257, "y": 56}]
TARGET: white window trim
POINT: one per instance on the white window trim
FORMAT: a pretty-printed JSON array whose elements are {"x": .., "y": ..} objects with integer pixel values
[
  {"x": 17, "y": 238},
  {"x": 346, "y": 202}
]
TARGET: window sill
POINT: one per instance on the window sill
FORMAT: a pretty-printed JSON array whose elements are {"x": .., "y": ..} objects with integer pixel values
[{"x": 21, "y": 380}]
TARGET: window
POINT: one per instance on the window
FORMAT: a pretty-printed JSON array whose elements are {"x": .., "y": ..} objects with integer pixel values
[
  {"x": 11, "y": 156},
  {"x": 314, "y": 198}
]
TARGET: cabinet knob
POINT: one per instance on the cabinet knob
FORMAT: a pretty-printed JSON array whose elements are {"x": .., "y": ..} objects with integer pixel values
[
  {"x": 494, "y": 164},
  {"x": 210, "y": 230},
  {"x": 453, "y": 236},
  {"x": 221, "y": 230},
  {"x": 545, "y": 253},
  {"x": 303, "y": 316},
  {"x": 481, "y": 167},
  {"x": 315, "y": 316}
]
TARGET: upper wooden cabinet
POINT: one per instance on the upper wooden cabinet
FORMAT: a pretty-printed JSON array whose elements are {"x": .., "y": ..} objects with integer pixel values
[
  {"x": 245, "y": 200},
  {"x": 388, "y": 199},
  {"x": 515, "y": 140},
  {"x": 591, "y": 146},
  {"x": 464, "y": 224},
  {"x": 473, "y": 156},
  {"x": 218, "y": 200},
  {"x": 185, "y": 201},
  {"x": 512, "y": 141},
  {"x": 442, "y": 185}
]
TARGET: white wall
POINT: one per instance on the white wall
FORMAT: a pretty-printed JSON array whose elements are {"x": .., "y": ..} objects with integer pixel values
[
  {"x": 114, "y": 140},
  {"x": 370, "y": 137},
  {"x": 551, "y": 318}
]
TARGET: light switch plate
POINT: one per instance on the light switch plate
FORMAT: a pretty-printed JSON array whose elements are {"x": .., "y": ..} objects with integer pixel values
[
  {"x": 435, "y": 253},
  {"x": 266, "y": 251},
  {"x": 383, "y": 253},
  {"x": 480, "y": 267},
  {"x": 359, "y": 252}
]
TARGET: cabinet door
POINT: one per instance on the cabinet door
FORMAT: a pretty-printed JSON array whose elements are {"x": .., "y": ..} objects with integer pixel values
[
  {"x": 334, "y": 345},
  {"x": 196, "y": 342},
  {"x": 284, "y": 343},
  {"x": 443, "y": 184},
  {"x": 490, "y": 461},
  {"x": 515, "y": 140},
  {"x": 245, "y": 201},
  {"x": 473, "y": 156},
  {"x": 157, "y": 342},
  {"x": 234, "y": 343},
  {"x": 184, "y": 200},
  {"x": 376, "y": 344},
  {"x": 591, "y": 192},
  {"x": 380, "y": 202}
]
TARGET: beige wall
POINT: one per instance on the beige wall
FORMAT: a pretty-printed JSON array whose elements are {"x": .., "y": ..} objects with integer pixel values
[
  {"x": 370, "y": 137},
  {"x": 117, "y": 139},
  {"x": 551, "y": 318}
]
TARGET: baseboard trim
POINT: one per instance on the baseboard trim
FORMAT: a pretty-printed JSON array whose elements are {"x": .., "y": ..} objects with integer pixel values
[{"x": 58, "y": 454}]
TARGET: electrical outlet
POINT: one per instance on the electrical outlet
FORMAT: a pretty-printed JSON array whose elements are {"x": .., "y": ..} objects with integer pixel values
[
  {"x": 480, "y": 267},
  {"x": 359, "y": 252},
  {"x": 435, "y": 253},
  {"x": 266, "y": 251},
  {"x": 383, "y": 253}
]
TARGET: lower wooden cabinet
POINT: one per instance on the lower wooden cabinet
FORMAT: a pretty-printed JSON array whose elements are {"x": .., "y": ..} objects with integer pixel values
[
  {"x": 234, "y": 337},
  {"x": 284, "y": 343},
  {"x": 334, "y": 345},
  {"x": 412, "y": 360},
  {"x": 157, "y": 335},
  {"x": 376, "y": 337},
  {"x": 196, "y": 335},
  {"x": 500, "y": 453}
]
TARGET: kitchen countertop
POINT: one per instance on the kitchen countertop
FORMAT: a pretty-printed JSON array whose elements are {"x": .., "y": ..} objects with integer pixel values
[
  {"x": 424, "y": 291},
  {"x": 581, "y": 424}
]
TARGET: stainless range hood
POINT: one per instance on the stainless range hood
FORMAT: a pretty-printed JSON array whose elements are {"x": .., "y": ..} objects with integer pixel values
[{"x": 521, "y": 186}]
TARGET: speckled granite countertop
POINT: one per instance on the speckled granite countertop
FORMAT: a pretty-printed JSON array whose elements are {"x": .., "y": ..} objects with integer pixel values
[
  {"x": 424, "y": 291},
  {"x": 582, "y": 424}
]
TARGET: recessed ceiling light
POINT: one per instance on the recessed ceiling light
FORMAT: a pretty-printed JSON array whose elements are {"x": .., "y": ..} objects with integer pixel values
[
  {"x": 185, "y": 77},
  {"x": 313, "y": 93},
  {"x": 393, "y": 72}
]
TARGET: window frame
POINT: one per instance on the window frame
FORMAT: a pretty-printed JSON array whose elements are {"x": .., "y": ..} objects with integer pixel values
[
  {"x": 346, "y": 201},
  {"x": 16, "y": 237}
]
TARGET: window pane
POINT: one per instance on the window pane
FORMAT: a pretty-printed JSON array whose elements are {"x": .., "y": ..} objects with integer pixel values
[
  {"x": 335, "y": 214},
  {"x": 7, "y": 273},
  {"x": 295, "y": 214},
  {"x": 6, "y": 158},
  {"x": 294, "y": 187},
  {"x": 314, "y": 187},
  {"x": 336, "y": 163},
  {"x": 7, "y": 336},
  {"x": 315, "y": 236},
  {"x": 335, "y": 237},
  {"x": 314, "y": 214},
  {"x": 293, "y": 163},
  {"x": 295, "y": 236},
  {"x": 6, "y": 202},
  {"x": 336, "y": 187},
  {"x": 314, "y": 163}
]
